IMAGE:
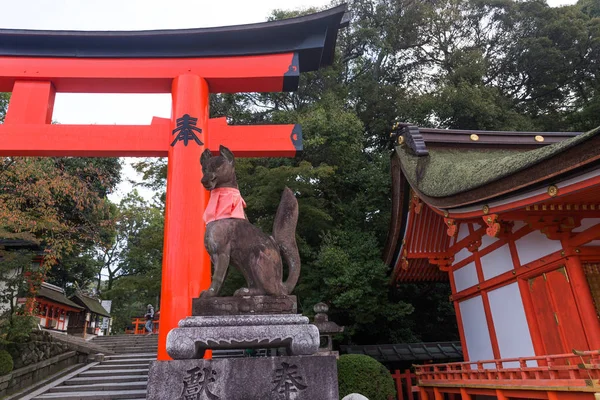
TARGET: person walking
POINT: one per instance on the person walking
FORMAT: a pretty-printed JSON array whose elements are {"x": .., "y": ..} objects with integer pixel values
[{"x": 149, "y": 317}]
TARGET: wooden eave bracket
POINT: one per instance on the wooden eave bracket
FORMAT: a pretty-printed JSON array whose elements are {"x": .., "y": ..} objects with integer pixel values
[
  {"x": 555, "y": 228},
  {"x": 452, "y": 227},
  {"x": 416, "y": 204},
  {"x": 497, "y": 228},
  {"x": 444, "y": 263}
]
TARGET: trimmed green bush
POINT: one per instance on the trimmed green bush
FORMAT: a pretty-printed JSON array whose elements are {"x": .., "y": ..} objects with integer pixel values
[
  {"x": 362, "y": 374},
  {"x": 6, "y": 362}
]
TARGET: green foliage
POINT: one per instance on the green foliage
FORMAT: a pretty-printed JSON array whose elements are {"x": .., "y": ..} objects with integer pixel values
[
  {"x": 6, "y": 362},
  {"x": 362, "y": 374},
  {"x": 17, "y": 275},
  {"x": 133, "y": 259},
  {"x": 19, "y": 327}
]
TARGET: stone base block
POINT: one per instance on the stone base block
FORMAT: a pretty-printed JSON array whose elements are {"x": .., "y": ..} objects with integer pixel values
[
  {"x": 264, "y": 378},
  {"x": 197, "y": 334},
  {"x": 247, "y": 305}
]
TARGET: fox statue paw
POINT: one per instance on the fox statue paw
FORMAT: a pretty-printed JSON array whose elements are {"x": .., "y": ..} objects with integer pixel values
[{"x": 207, "y": 293}]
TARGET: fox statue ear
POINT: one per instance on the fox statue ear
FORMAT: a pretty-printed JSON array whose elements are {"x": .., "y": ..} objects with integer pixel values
[
  {"x": 205, "y": 156},
  {"x": 225, "y": 152}
]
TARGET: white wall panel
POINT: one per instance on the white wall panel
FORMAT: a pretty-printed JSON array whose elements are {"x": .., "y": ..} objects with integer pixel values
[
  {"x": 497, "y": 262},
  {"x": 477, "y": 337},
  {"x": 518, "y": 225},
  {"x": 512, "y": 330},
  {"x": 461, "y": 255},
  {"x": 586, "y": 223},
  {"x": 465, "y": 277},
  {"x": 593, "y": 243},
  {"x": 486, "y": 240},
  {"x": 535, "y": 245},
  {"x": 463, "y": 232}
]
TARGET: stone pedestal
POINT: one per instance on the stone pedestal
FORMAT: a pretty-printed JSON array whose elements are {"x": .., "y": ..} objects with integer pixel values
[
  {"x": 265, "y": 378},
  {"x": 197, "y": 334},
  {"x": 244, "y": 305}
]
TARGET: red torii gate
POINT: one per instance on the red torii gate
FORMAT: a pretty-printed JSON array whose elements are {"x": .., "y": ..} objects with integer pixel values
[{"x": 190, "y": 64}]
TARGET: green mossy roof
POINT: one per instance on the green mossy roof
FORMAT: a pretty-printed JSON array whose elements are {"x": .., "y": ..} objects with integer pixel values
[
  {"x": 449, "y": 171},
  {"x": 56, "y": 297},
  {"x": 91, "y": 304}
]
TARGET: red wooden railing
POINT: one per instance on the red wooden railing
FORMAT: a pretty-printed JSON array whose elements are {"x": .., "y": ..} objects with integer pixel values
[
  {"x": 578, "y": 370},
  {"x": 405, "y": 384},
  {"x": 139, "y": 326}
]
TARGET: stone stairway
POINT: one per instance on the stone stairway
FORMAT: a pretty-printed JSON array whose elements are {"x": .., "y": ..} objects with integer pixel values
[{"x": 123, "y": 375}]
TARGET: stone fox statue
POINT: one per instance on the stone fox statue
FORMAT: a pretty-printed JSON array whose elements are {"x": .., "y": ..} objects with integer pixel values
[{"x": 231, "y": 239}]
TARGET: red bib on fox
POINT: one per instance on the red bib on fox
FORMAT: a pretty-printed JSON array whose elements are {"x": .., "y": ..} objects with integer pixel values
[{"x": 224, "y": 203}]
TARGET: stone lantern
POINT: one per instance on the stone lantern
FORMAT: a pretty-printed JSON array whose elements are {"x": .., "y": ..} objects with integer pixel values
[{"x": 326, "y": 328}]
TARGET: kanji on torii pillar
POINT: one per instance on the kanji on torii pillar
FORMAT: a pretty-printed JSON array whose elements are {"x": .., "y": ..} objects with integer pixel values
[{"x": 190, "y": 64}]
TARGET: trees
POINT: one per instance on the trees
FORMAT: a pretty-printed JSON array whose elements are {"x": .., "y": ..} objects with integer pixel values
[
  {"x": 59, "y": 204},
  {"x": 133, "y": 259}
]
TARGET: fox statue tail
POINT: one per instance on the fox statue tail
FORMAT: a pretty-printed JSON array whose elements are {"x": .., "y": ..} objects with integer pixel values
[{"x": 284, "y": 233}]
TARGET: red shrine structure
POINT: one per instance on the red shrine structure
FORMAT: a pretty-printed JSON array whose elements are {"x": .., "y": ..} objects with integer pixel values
[
  {"x": 512, "y": 220},
  {"x": 190, "y": 64}
]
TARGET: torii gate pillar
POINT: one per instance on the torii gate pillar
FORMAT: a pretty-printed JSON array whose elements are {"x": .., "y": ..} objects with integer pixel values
[
  {"x": 190, "y": 64},
  {"x": 186, "y": 264}
]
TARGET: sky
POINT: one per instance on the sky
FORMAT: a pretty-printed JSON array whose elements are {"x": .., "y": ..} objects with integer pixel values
[{"x": 136, "y": 15}]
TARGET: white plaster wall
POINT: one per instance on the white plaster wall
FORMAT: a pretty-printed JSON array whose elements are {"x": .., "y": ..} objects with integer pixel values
[
  {"x": 461, "y": 255},
  {"x": 512, "y": 330},
  {"x": 587, "y": 223},
  {"x": 477, "y": 337},
  {"x": 535, "y": 245},
  {"x": 465, "y": 277},
  {"x": 593, "y": 243},
  {"x": 518, "y": 225},
  {"x": 497, "y": 262},
  {"x": 463, "y": 232},
  {"x": 487, "y": 240}
]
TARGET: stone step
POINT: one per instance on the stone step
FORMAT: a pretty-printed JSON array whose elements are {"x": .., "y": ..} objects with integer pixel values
[
  {"x": 126, "y": 351},
  {"x": 104, "y": 344},
  {"x": 120, "y": 366},
  {"x": 140, "y": 343},
  {"x": 107, "y": 379},
  {"x": 100, "y": 387},
  {"x": 124, "y": 338},
  {"x": 112, "y": 394},
  {"x": 128, "y": 361},
  {"x": 133, "y": 371},
  {"x": 130, "y": 355}
]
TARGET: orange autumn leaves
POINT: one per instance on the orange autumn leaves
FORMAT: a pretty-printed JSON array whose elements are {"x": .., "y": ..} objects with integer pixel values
[{"x": 53, "y": 203}]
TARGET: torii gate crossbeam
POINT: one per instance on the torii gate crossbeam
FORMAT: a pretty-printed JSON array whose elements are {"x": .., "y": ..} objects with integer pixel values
[{"x": 189, "y": 64}]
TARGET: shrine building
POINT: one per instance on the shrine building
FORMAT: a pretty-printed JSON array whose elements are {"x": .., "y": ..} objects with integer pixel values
[
  {"x": 53, "y": 309},
  {"x": 512, "y": 221}
]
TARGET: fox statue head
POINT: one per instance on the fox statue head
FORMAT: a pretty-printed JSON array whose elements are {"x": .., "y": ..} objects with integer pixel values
[{"x": 218, "y": 171}]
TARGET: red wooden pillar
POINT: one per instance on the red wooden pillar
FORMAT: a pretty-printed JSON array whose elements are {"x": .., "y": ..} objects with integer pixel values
[
  {"x": 464, "y": 395},
  {"x": 186, "y": 264},
  {"x": 398, "y": 381},
  {"x": 584, "y": 301},
  {"x": 409, "y": 386},
  {"x": 31, "y": 102}
]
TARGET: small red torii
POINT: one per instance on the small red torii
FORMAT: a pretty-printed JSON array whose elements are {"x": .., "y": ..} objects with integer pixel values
[{"x": 190, "y": 64}]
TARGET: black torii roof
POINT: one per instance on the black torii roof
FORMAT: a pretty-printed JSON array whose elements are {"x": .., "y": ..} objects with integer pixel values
[
  {"x": 436, "y": 352},
  {"x": 312, "y": 36}
]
